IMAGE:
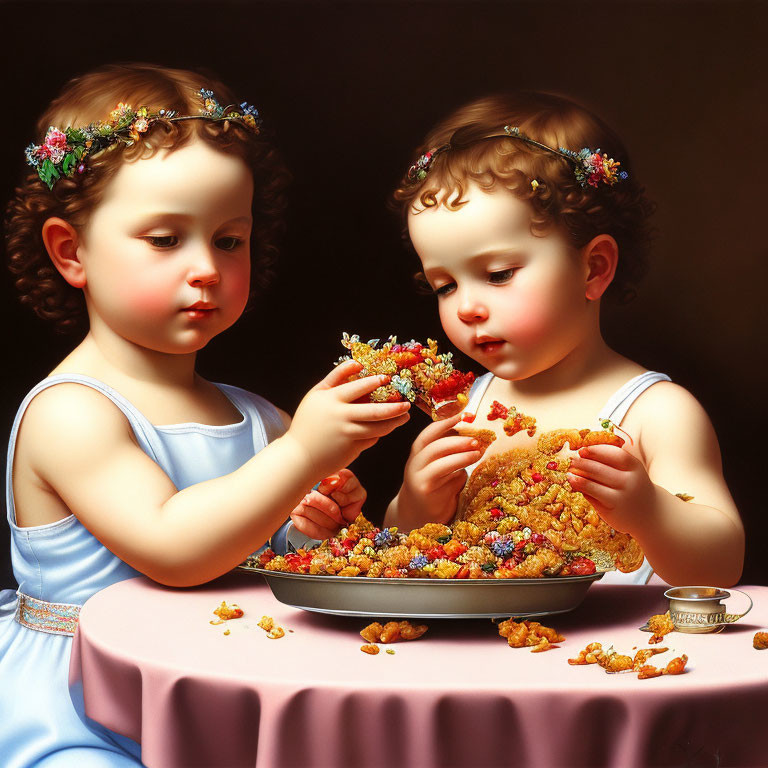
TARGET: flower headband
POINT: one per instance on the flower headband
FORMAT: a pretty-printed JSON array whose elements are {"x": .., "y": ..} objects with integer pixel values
[
  {"x": 590, "y": 167},
  {"x": 63, "y": 153}
]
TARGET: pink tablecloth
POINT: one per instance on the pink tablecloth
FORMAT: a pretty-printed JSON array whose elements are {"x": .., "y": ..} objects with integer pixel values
[{"x": 155, "y": 669}]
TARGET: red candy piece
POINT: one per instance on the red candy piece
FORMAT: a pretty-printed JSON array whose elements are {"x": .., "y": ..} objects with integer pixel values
[
  {"x": 468, "y": 417},
  {"x": 496, "y": 513},
  {"x": 407, "y": 359},
  {"x": 537, "y": 477},
  {"x": 447, "y": 389},
  {"x": 552, "y": 465},
  {"x": 582, "y": 566},
  {"x": 498, "y": 411},
  {"x": 435, "y": 553}
]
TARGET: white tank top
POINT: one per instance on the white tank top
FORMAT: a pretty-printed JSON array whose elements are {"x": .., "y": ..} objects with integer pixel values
[{"x": 615, "y": 409}]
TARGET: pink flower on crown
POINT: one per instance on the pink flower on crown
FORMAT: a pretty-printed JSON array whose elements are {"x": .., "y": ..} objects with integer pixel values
[
  {"x": 56, "y": 154},
  {"x": 55, "y": 139}
]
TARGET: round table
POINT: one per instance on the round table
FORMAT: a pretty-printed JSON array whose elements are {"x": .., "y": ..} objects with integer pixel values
[{"x": 155, "y": 669}]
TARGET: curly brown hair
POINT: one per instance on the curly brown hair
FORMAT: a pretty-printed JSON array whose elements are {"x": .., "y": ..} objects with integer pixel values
[
  {"x": 581, "y": 213},
  {"x": 89, "y": 98}
]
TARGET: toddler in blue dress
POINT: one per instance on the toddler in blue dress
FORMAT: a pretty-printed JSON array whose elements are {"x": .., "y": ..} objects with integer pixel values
[{"x": 124, "y": 461}]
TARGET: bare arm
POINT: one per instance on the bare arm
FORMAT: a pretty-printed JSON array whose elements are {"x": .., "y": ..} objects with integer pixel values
[
  {"x": 84, "y": 450},
  {"x": 695, "y": 542}
]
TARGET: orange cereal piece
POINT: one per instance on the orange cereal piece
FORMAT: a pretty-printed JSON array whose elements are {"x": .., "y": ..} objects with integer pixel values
[
  {"x": 660, "y": 624},
  {"x": 372, "y": 632},
  {"x": 760, "y": 641},
  {"x": 589, "y": 655},
  {"x": 523, "y": 634},
  {"x": 266, "y": 623},
  {"x": 370, "y": 649},
  {"x": 392, "y": 631},
  {"x": 276, "y": 633},
  {"x": 226, "y": 612}
]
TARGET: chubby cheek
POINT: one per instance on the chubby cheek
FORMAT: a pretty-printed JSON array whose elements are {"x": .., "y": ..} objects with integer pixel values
[
  {"x": 236, "y": 287},
  {"x": 530, "y": 321},
  {"x": 148, "y": 299}
]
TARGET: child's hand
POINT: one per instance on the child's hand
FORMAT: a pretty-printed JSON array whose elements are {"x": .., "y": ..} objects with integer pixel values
[
  {"x": 616, "y": 484},
  {"x": 335, "y": 503},
  {"x": 435, "y": 474},
  {"x": 332, "y": 429}
]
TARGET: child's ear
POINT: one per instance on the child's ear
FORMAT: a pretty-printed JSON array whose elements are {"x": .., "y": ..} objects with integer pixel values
[
  {"x": 600, "y": 257},
  {"x": 61, "y": 241}
]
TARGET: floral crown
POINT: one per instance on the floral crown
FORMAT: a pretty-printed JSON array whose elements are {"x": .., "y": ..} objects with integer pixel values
[
  {"x": 63, "y": 153},
  {"x": 590, "y": 167}
]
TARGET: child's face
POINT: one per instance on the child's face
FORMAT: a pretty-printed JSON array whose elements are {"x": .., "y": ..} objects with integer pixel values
[
  {"x": 509, "y": 299},
  {"x": 166, "y": 253}
]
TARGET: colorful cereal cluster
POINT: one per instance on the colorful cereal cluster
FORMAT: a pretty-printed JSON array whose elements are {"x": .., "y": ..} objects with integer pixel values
[
  {"x": 436, "y": 551},
  {"x": 419, "y": 374},
  {"x": 519, "y": 519},
  {"x": 524, "y": 493}
]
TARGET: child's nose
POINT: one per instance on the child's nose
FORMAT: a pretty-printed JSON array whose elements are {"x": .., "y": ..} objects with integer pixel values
[
  {"x": 471, "y": 309},
  {"x": 203, "y": 271}
]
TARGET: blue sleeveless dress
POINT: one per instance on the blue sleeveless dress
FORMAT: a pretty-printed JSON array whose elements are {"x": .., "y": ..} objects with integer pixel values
[
  {"x": 42, "y": 722},
  {"x": 615, "y": 409}
]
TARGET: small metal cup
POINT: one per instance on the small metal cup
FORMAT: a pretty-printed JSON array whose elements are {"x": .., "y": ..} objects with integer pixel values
[{"x": 699, "y": 610}]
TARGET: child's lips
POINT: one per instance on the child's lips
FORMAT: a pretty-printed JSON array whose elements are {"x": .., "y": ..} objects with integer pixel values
[
  {"x": 199, "y": 310},
  {"x": 489, "y": 346}
]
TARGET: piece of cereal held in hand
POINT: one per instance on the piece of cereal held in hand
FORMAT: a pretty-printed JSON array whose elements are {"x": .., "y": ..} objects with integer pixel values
[{"x": 418, "y": 374}]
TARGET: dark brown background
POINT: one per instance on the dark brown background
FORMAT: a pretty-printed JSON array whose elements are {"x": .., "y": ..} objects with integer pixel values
[{"x": 351, "y": 87}]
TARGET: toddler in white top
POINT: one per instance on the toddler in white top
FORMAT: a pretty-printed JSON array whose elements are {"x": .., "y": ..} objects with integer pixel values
[{"x": 525, "y": 214}]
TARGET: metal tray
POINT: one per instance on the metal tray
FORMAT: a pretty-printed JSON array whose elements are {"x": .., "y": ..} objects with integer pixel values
[{"x": 427, "y": 598}]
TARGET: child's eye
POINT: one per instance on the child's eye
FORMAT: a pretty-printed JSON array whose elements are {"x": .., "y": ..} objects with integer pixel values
[
  {"x": 162, "y": 241},
  {"x": 501, "y": 276},
  {"x": 228, "y": 243},
  {"x": 444, "y": 290}
]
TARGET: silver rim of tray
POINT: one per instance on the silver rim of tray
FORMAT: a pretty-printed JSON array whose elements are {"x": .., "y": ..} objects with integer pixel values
[{"x": 427, "y": 598}]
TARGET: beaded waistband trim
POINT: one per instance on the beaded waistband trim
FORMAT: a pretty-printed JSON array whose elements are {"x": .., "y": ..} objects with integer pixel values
[{"x": 54, "y": 618}]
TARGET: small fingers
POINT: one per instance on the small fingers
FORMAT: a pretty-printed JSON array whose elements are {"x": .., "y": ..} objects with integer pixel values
[
  {"x": 611, "y": 455},
  {"x": 446, "y": 446},
  {"x": 447, "y": 465},
  {"x": 354, "y": 390},
  {"x": 339, "y": 374},
  {"x": 598, "y": 472},
  {"x": 325, "y": 504},
  {"x": 605, "y": 496},
  {"x": 365, "y": 429},
  {"x": 434, "y": 431},
  {"x": 309, "y": 527},
  {"x": 379, "y": 411}
]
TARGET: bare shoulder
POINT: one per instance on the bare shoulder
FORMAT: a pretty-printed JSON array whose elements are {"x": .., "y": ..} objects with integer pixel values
[
  {"x": 666, "y": 406},
  {"x": 69, "y": 419},
  {"x": 672, "y": 425}
]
